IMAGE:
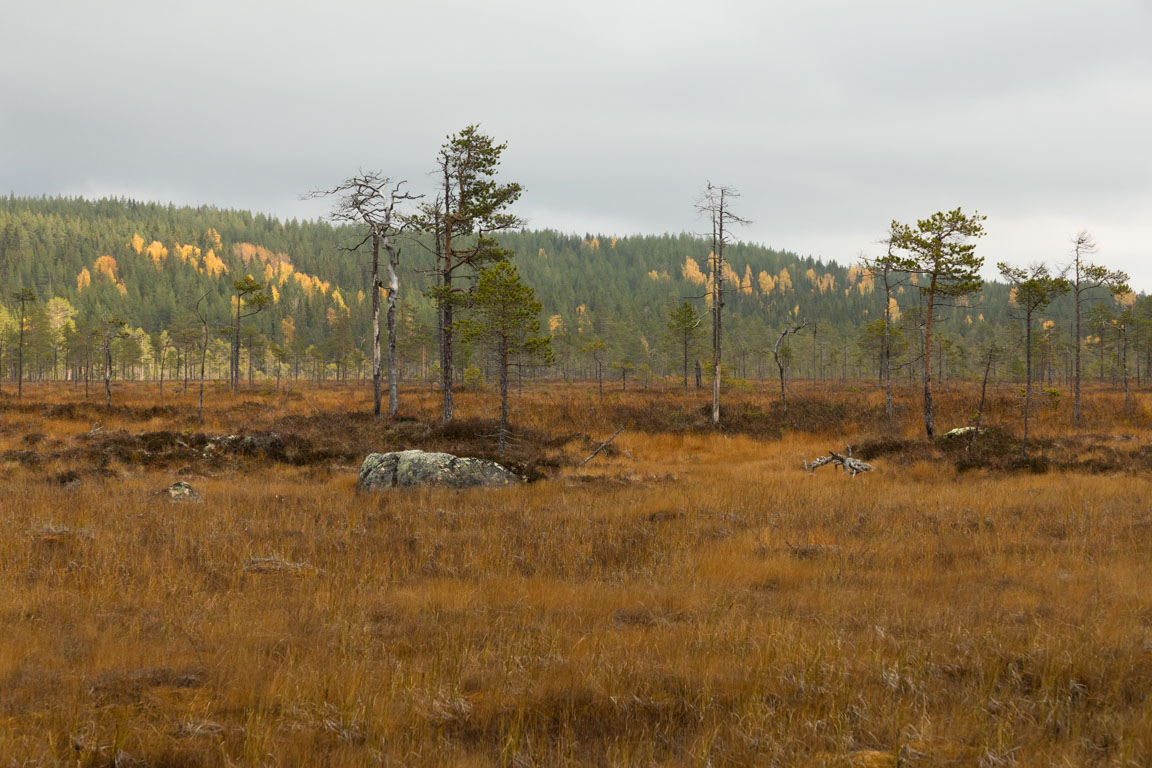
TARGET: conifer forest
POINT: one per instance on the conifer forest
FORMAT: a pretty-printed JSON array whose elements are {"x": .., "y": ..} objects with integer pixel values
[{"x": 144, "y": 266}]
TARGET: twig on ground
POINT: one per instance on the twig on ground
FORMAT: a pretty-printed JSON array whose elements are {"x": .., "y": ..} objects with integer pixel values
[{"x": 603, "y": 445}]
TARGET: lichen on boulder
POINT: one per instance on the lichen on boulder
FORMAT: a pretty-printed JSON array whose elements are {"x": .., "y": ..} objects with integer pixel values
[{"x": 407, "y": 469}]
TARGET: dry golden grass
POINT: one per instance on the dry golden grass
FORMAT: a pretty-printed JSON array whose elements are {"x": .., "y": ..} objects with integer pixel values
[{"x": 692, "y": 598}]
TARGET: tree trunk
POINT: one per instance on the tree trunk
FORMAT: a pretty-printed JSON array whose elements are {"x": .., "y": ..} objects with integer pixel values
[
  {"x": 503, "y": 439},
  {"x": 235, "y": 372},
  {"x": 983, "y": 395},
  {"x": 887, "y": 372},
  {"x": 393, "y": 367},
  {"x": 108, "y": 372},
  {"x": 685, "y": 362},
  {"x": 717, "y": 336},
  {"x": 940, "y": 370},
  {"x": 1027, "y": 379},
  {"x": 375, "y": 325},
  {"x": 1076, "y": 366},
  {"x": 814, "y": 363},
  {"x": 783, "y": 388},
  {"x": 20, "y": 356},
  {"x": 717, "y": 307},
  {"x": 1124, "y": 366},
  {"x": 929, "y": 422},
  {"x": 446, "y": 371},
  {"x": 780, "y": 365},
  {"x": 446, "y": 329},
  {"x": 203, "y": 360},
  {"x": 1100, "y": 345}
]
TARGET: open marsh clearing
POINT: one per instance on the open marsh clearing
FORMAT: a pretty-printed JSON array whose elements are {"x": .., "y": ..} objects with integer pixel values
[{"x": 688, "y": 598}]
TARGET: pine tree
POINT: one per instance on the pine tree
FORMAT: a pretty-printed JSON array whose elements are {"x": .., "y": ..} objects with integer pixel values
[
  {"x": 1032, "y": 291},
  {"x": 469, "y": 209},
  {"x": 506, "y": 316},
  {"x": 684, "y": 327},
  {"x": 1084, "y": 278},
  {"x": 24, "y": 297},
  {"x": 937, "y": 251},
  {"x": 249, "y": 294}
]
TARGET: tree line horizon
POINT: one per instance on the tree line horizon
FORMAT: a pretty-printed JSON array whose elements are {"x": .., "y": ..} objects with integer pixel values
[{"x": 117, "y": 289}]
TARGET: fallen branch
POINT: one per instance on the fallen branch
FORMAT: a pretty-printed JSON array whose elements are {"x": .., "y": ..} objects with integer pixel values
[
  {"x": 603, "y": 445},
  {"x": 844, "y": 461}
]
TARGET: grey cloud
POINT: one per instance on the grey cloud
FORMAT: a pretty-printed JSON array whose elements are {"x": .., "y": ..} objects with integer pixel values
[{"x": 831, "y": 117}]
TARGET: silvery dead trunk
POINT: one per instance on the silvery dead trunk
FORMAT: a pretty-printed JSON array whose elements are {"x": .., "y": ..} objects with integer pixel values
[
  {"x": 376, "y": 325},
  {"x": 393, "y": 298}
]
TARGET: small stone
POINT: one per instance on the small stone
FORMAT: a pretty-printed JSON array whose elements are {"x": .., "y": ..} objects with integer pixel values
[
  {"x": 67, "y": 479},
  {"x": 181, "y": 492}
]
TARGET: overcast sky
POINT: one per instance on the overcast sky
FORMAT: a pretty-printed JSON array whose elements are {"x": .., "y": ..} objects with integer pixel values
[{"x": 832, "y": 117}]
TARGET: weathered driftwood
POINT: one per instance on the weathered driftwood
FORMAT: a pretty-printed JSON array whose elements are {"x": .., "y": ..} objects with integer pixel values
[
  {"x": 603, "y": 445},
  {"x": 842, "y": 460}
]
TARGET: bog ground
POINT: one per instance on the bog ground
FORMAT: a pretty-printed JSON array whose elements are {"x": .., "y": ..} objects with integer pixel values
[{"x": 690, "y": 597}]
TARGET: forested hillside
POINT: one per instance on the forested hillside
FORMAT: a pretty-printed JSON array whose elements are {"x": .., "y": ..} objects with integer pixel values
[{"x": 147, "y": 265}]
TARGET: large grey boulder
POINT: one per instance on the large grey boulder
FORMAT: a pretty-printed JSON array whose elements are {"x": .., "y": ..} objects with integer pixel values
[{"x": 405, "y": 469}]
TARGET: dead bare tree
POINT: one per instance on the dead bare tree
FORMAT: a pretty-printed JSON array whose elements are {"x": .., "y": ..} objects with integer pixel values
[
  {"x": 714, "y": 204},
  {"x": 370, "y": 199},
  {"x": 993, "y": 351},
  {"x": 780, "y": 366},
  {"x": 113, "y": 329},
  {"x": 1084, "y": 278},
  {"x": 884, "y": 268}
]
